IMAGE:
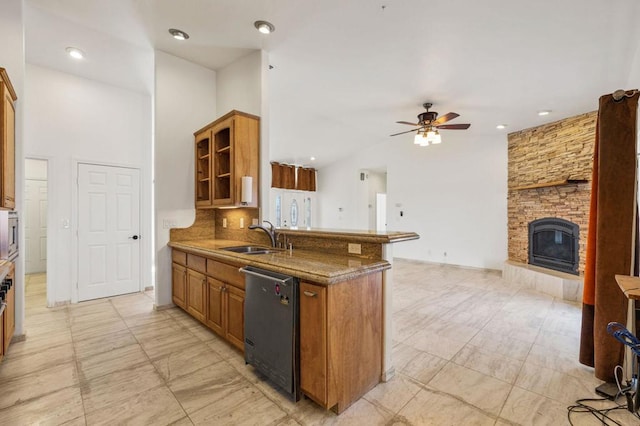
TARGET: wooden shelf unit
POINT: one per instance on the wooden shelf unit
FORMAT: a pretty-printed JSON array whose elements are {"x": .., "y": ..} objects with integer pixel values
[
  {"x": 203, "y": 169},
  {"x": 231, "y": 152}
]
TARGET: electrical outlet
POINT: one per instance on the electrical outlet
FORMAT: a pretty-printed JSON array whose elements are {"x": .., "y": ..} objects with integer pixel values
[
  {"x": 355, "y": 248},
  {"x": 224, "y": 222},
  {"x": 169, "y": 223},
  {"x": 254, "y": 221},
  {"x": 241, "y": 222}
]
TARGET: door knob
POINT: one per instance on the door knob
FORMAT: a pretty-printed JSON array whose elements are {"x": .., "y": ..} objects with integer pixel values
[{"x": 135, "y": 237}]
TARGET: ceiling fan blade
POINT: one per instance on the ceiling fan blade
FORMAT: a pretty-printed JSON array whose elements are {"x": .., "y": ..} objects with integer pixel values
[
  {"x": 406, "y": 122},
  {"x": 402, "y": 133},
  {"x": 454, "y": 126},
  {"x": 445, "y": 118}
]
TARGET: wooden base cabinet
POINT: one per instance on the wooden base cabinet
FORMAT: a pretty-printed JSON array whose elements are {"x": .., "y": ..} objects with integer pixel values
[
  {"x": 8, "y": 318},
  {"x": 341, "y": 340},
  {"x": 196, "y": 294},
  {"x": 313, "y": 341},
  {"x": 179, "y": 285},
  {"x": 212, "y": 292},
  {"x": 215, "y": 306},
  {"x": 235, "y": 316},
  {"x": 225, "y": 311}
]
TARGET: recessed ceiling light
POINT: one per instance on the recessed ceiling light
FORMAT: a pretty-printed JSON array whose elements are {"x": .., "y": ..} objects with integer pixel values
[
  {"x": 264, "y": 27},
  {"x": 544, "y": 112},
  {"x": 178, "y": 34},
  {"x": 75, "y": 53},
  {"x": 312, "y": 158},
  {"x": 501, "y": 126}
]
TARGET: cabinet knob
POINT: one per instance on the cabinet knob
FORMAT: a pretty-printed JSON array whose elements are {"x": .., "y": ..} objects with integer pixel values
[{"x": 310, "y": 294}]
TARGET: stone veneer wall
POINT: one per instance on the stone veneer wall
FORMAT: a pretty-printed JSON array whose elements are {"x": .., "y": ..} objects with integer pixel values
[{"x": 552, "y": 152}]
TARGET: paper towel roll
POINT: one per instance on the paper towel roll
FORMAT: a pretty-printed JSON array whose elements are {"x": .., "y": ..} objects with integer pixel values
[{"x": 247, "y": 189}]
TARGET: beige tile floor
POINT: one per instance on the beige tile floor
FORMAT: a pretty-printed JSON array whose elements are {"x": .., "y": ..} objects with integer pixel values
[{"x": 469, "y": 350}]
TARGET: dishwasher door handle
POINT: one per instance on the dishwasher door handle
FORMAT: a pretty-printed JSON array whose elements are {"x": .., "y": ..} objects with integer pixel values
[{"x": 259, "y": 275}]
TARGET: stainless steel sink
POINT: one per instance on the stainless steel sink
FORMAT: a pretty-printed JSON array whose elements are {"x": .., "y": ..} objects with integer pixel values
[{"x": 248, "y": 249}]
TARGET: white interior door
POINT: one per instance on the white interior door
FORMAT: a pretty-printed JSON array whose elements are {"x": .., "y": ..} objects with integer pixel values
[
  {"x": 108, "y": 226},
  {"x": 35, "y": 226}
]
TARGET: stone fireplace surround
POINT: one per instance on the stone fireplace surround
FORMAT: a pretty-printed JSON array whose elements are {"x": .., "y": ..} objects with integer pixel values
[{"x": 549, "y": 169}]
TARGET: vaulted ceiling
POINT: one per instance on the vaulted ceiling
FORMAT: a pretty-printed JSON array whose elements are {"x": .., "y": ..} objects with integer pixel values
[{"x": 345, "y": 71}]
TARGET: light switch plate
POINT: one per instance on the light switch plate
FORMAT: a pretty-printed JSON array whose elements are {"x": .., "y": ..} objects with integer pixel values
[
  {"x": 355, "y": 248},
  {"x": 241, "y": 222},
  {"x": 224, "y": 222}
]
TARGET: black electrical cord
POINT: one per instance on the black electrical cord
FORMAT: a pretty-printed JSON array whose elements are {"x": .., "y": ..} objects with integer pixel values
[{"x": 600, "y": 414}]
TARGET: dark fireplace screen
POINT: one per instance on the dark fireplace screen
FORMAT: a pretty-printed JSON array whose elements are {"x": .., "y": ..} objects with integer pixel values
[{"x": 553, "y": 244}]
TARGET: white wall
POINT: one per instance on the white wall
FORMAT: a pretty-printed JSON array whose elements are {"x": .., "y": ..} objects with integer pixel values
[
  {"x": 35, "y": 169},
  {"x": 12, "y": 59},
  {"x": 243, "y": 86},
  {"x": 454, "y": 195},
  {"x": 70, "y": 119},
  {"x": 185, "y": 101},
  {"x": 239, "y": 85}
]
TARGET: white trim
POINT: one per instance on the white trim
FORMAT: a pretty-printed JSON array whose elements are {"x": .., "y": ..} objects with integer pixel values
[{"x": 74, "y": 220}]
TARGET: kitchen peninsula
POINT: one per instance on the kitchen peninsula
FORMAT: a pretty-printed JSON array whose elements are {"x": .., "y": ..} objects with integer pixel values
[{"x": 345, "y": 322}]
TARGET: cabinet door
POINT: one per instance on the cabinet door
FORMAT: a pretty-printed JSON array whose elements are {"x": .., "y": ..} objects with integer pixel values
[
  {"x": 223, "y": 164},
  {"x": 179, "y": 285},
  {"x": 313, "y": 342},
  {"x": 203, "y": 181},
  {"x": 215, "y": 305},
  {"x": 235, "y": 316},
  {"x": 8, "y": 154},
  {"x": 196, "y": 294}
]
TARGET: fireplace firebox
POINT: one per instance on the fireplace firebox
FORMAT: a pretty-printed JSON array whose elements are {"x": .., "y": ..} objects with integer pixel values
[{"x": 553, "y": 244}]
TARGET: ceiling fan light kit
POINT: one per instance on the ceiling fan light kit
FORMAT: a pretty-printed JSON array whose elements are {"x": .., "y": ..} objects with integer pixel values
[
  {"x": 429, "y": 125},
  {"x": 430, "y": 137}
]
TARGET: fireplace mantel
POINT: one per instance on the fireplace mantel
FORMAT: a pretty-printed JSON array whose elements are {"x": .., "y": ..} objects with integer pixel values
[{"x": 563, "y": 182}]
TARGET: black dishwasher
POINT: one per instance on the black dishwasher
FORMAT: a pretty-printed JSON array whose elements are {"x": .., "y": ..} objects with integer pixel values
[{"x": 271, "y": 339}]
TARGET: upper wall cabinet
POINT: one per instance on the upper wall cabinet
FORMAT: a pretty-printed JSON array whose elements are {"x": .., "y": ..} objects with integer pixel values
[
  {"x": 7, "y": 140},
  {"x": 225, "y": 151}
]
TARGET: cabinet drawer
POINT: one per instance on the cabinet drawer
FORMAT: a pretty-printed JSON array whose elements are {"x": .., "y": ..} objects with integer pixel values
[
  {"x": 179, "y": 257},
  {"x": 196, "y": 263},
  {"x": 225, "y": 273}
]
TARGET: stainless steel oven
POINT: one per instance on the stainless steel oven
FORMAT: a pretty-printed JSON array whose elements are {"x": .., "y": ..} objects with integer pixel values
[{"x": 9, "y": 236}]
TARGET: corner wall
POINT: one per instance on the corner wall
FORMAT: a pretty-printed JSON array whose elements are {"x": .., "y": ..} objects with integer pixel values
[
  {"x": 552, "y": 152},
  {"x": 185, "y": 101},
  {"x": 70, "y": 119}
]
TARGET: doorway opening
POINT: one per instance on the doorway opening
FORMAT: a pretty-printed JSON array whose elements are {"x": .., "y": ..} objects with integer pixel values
[
  {"x": 373, "y": 199},
  {"x": 34, "y": 218}
]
